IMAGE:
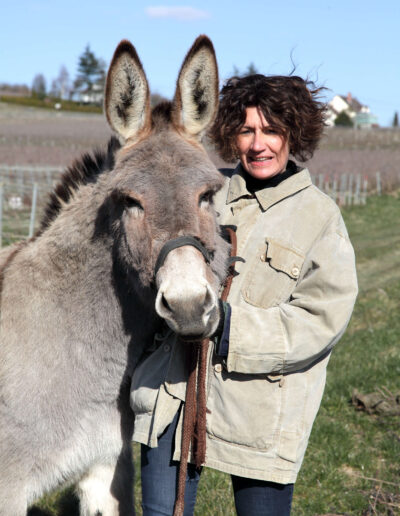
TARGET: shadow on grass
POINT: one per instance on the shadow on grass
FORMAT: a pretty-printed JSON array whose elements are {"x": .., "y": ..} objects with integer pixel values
[{"x": 67, "y": 504}]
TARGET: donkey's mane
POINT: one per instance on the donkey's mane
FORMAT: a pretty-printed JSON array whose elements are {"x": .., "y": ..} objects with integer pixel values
[
  {"x": 161, "y": 114},
  {"x": 84, "y": 170}
]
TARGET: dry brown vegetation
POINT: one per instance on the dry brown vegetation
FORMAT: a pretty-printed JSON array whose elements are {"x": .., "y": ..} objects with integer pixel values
[{"x": 42, "y": 137}]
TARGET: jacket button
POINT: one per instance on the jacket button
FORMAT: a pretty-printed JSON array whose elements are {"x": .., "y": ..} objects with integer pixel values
[
  {"x": 167, "y": 348},
  {"x": 262, "y": 257},
  {"x": 295, "y": 272},
  {"x": 218, "y": 368}
]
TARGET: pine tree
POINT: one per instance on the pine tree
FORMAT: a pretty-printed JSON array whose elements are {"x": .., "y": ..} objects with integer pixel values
[
  {"x": 395, "y": 120},
  {"x": 39, "y": 86},
  {"x": 250, "y": 70},
  {"x": 91, "y": 71},
  {"x": 343, "y": 120}
]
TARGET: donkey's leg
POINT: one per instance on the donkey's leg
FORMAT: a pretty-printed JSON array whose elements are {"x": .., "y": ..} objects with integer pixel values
[
  {"x": 107, "y": 489},
  {"x": 94, "y": 492}
]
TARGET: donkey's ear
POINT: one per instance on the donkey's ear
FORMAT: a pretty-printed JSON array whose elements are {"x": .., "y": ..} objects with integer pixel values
[
  {"x": 127, "y": 97},
  {"x": 196, "y": 98}
]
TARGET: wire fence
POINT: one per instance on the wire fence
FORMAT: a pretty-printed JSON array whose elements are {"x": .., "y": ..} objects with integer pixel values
[
  {"x": 349, "y": 189},
  {"x": 24, "y": 193}
]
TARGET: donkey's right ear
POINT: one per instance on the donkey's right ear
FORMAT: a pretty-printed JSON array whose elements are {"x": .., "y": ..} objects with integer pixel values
[
  {"x": 196, "y": 97},
  {"x": 127, "y": 97}
]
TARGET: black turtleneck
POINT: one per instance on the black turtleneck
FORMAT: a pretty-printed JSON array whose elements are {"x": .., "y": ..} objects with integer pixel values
[{"x": 254, "y": 185}]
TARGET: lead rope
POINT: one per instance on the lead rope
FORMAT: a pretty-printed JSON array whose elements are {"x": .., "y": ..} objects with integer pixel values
[{"x": 194, "y": 412}]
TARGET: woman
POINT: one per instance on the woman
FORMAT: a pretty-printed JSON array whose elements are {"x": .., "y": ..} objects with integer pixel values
[{"x": 289, "y": 303}]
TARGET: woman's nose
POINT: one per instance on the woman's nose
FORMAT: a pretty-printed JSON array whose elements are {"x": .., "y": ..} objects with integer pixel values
[{"x": 258, "y": 144}]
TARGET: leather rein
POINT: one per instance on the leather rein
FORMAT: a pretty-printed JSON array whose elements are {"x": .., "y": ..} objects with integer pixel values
[{"x": 194, "y": 415}]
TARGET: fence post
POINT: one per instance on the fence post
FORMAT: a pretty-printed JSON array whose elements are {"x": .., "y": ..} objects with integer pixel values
[
  {"x": 350, "y": 197},
  {"x": 334, "y": 189},
  {"x": 357, "y": 190},
  {"x": 320, "y": 182},
  {"x": 326, "y": 187},
  {"x": 365, "y": 191},
  {"x": 1, "y": 215},
  {"x": 33, "y": 210},
  {"x": 378, "y": 183},
  {"x": 342, "y": 190}
]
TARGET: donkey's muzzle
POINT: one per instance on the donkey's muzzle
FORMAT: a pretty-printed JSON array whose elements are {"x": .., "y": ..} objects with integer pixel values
[
  {"x": 188, "y": 307},
  {"x": 185, "y": 298}
]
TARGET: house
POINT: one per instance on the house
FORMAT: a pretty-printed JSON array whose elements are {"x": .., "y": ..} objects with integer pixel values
[
  {"x": 360, "y": 114},
  {"x": 89, "y": 96}
]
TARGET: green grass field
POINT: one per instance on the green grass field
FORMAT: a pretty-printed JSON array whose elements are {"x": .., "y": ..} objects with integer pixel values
[
  {"x": 352, "y": 465},
  {"x": 48, "y": 103}
]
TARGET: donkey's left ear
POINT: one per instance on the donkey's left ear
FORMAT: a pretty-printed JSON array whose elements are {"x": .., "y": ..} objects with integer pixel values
[
  {"x": 196, "y": 98},
  {"x": 127, "y": 97}
]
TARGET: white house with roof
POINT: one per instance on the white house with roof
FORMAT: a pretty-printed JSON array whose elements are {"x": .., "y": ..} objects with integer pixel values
[
  {"x": 360, "y": 114},
  {"x": 89, "y": 96}
]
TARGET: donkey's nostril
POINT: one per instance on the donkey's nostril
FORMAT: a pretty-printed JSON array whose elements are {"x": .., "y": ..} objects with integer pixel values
[{"x": 165, "y": 303}]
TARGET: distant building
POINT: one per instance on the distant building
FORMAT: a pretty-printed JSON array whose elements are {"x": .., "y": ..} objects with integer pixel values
[
  {"x": 89, "y": 96},
  {"x": 358, "y": 113},
  {"x": 14, "y": 90}
]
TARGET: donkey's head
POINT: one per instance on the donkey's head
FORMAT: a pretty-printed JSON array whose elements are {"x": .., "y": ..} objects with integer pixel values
[{"x": 163, "y": 186}]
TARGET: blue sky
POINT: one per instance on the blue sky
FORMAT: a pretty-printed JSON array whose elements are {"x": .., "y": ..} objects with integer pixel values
[{"x": 348, "y": 46}]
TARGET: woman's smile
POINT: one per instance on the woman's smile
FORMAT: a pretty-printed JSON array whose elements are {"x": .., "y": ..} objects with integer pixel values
[{"x": 263, "y": 151}]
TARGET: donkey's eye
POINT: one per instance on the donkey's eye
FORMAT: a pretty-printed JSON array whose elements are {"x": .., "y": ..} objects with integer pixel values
[
  {"x": 206, "y": 198},
  {"x": 133, "y": 205}
]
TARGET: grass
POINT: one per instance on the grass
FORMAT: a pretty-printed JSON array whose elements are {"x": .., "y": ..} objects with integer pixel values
[
  {"x": 15, "y": 226},
  {"x": 348, "y": 446},
  {"x": 352, "y": 465},
  {"x": 48, "y": 103}
]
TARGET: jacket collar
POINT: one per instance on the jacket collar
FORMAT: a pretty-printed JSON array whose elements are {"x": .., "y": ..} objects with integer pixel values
[{"x": 269, "y": 195}]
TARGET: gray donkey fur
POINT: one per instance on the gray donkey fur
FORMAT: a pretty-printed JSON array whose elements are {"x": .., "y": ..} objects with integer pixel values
[{"x": 78, "y": 301}]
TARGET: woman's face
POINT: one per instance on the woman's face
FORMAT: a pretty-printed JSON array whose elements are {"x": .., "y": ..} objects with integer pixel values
[{"x": 262, "y": 151}]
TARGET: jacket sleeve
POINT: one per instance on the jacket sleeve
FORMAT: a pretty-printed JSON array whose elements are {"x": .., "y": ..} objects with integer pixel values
[{"x": 293, "y": 335}]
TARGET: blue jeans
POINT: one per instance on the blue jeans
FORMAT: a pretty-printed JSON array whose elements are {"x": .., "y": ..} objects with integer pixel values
[{"x": 160, "y": 480}]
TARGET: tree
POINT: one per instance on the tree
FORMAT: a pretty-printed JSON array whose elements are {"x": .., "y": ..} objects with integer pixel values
[
  {"x": 251, "y": 70},
  {"x": 343, "y": 120},
  {"x": 61, "y": 86},
  {"x": 156, "y": 98},
  {"x": 395, "y": 120},
  {"x": 91, "y": 71},
  {"x": 39, "y": 86}
]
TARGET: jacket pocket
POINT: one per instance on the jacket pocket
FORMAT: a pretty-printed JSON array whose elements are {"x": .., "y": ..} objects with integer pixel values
[
  {"x": 272, "y": 274},
  {"x": 147, "y": 379},
  {"x": 244, "y": 410},
  {"x": 289, "y": 445}
]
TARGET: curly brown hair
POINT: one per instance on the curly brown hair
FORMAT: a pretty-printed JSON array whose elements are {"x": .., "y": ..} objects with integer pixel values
[{"x": 289, "y": 103}]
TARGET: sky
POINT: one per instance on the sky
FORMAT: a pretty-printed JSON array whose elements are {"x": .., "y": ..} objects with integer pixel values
[{"x": 345, "y": 45}]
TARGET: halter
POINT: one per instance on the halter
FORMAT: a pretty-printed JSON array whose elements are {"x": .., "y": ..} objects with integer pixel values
[{"x": 181, "y": 241}]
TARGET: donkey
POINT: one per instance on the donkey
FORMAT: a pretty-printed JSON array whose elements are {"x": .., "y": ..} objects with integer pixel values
[{"x": 81, "y": 301}]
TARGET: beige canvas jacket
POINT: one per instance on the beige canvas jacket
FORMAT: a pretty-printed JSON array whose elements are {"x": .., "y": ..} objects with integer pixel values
[{"x": 291, "y": 302}]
